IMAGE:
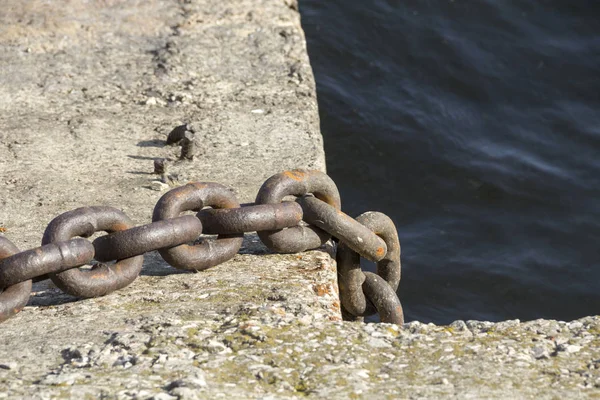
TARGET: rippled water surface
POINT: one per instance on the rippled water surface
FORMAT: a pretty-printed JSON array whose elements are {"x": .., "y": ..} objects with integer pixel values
[{"x": 476, "y": 126}]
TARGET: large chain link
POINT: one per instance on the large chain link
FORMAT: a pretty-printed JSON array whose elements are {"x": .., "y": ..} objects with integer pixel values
[{"x": 283, "y": 226}]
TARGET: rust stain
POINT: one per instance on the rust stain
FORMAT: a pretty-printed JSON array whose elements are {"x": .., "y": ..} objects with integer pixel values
[
  {"x": 380, "y": 251},
  {"x": 119, "y": 226},
  {"x": 198, "y": 185},
  {"x": 327, "y": 199},
  {"x": 279, "y": 311},
  {"x": 322, "y": 289},
  {"x": 176, "y": 193},
  {"x": 335, "y": 306},
  {"x": 3, "y": 229},
  {"x": 344, "y": 215},
  {"x": 295, "y": 175},
  {"x": 230, "y": 204}
]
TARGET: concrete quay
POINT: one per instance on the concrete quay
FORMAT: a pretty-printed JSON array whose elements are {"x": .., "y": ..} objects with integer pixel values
[{"x": 89, "y": 92}]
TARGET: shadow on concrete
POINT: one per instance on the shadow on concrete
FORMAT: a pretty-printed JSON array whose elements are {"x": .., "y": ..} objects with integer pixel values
[
  {"x": 152, "y": 143},
  {"x": 142, "y": 157}
]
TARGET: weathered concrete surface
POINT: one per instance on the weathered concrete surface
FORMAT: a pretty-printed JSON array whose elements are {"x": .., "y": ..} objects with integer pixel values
[
  {"x": 265, "y": 351},
  {"x": 89, "y": 92}
]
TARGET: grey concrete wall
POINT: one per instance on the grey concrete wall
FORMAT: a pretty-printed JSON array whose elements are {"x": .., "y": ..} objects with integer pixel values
[{"x": 89, "y": 91}]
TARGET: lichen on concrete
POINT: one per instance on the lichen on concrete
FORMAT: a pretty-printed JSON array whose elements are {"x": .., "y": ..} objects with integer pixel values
[{"x": 269, "y": 348}]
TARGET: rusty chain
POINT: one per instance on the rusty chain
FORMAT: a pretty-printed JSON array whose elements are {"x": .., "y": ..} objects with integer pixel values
[{"x": 283, "y": 226}]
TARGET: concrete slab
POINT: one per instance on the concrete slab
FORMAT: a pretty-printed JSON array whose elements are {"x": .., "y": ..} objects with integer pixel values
[{"x": 89, "y": 92}]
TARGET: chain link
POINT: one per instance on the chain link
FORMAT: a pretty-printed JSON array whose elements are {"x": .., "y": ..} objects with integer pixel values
[
  {"x": 350, "y": 232},
  {"x": 297, "y": 183},
  {"x": 351, "y": 279},
  {"x": 48, "y": 259},
  {"x": 194, "y": 197},
  {"x": 146, "y": 238},
  {"x": 251, "y": 218},
  {"x": 15, "y": 297},
  {"x": 103, "y": 279},
  {"x": 283, "y": 226}
]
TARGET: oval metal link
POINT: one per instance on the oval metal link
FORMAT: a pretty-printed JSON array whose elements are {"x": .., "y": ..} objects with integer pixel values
[
  {"x": 142, "y": 239},
  {"x": 51, "y": 258},
  {"x": 389, "y": 267},
  {"x": 384, "y": 298},
  {"x": 350, "y": 280},
  {"x": 194, "y": 197},
  {"x": 102, "y": 279},
  {"x": 250, "y": 218},
  {"x": 355, "y": 235},
  {"x": 297, "y": 183},
  {"x": 15, "y": 297},
  {"x": 350, "y": 276}
]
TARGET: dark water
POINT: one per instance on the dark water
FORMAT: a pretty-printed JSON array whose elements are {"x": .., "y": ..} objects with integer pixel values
[{"x": 476, "y": 126}]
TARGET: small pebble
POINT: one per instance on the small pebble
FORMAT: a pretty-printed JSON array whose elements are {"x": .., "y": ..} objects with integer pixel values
[
  {"x": 575, "y": 325},
  {"x": 363, "y": 373},
  {"x": 8, "y": 365},
  {"x": 164, "y": 396},
  {"x": 572, "y": 348},
  {"x": 540, "y": 352},
  {"x": 158, "y": 186}
]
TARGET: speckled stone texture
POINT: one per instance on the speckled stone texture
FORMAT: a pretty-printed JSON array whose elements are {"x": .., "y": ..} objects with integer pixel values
[{"x": 90, "y": 91}]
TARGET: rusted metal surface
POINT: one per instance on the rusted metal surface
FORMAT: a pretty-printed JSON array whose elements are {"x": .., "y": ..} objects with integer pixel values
[
  {"x": 350, "y": 276},
  {"x": 15, "y": 297},
  {"x": 102, "y": 279},
  {"x": 188, "y": 147},
  {"x": 160, "y": 166},
  {"x": 389, "y": 267},
  {"x": 143, "y": 239},
  {"x": 297, "y": 183},
  {"x": 355, "y": 235},
  {"x": 50, "y": 258},
  {"x": 250, "y": 218},
  {"x": 279, "y": 224},
  {"x": 294, "y": 240},
  {"x": 350, "y": 281},
  {"x": 384, "y": 298},
  {"x": 177, "y": 134},
  {"x": 194, "y": 197}
]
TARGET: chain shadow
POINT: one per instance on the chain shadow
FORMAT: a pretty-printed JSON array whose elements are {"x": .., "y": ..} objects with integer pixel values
[
  {"x": 141, "y": 157},
  {"x": 152, "y": 143},
  {"x": 45, "y": 293}
]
